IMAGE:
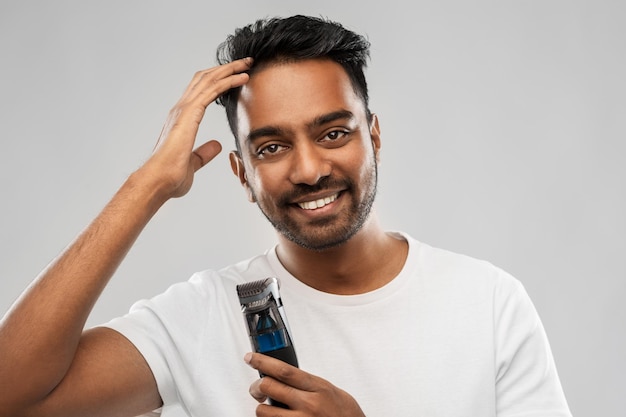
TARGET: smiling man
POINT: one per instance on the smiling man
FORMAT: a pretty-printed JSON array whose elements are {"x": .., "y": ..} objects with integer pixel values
[
  {"x": 383, "y": 324},
  {"x": 312, "y": 162}
]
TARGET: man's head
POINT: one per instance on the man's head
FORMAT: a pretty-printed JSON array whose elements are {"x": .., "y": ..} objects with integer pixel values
[
  {"x": 307, "y": 144},
  {"x": 292, "y": 39}
]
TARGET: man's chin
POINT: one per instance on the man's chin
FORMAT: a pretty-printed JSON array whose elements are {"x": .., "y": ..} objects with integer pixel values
[{"x": 320, "y": 241}]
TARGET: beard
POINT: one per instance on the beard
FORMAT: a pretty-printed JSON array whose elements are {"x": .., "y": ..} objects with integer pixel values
[{"x": 330, "y": 231}]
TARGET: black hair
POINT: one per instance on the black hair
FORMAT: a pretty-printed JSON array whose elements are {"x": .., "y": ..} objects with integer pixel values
[{"x": 291, "y": 39}]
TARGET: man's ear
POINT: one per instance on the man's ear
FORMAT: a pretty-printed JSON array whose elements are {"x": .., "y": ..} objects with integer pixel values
[
  {"x": 375, "y": 134},
  {"x": 236, "y": 164}
]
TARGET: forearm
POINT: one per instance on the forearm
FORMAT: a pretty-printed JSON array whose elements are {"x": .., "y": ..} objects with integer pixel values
[{"x": 40, "y": 333}]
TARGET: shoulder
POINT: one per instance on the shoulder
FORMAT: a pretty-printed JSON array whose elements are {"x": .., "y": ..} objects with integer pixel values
[
  {"x": 454, "y": 272},
  {"x": 207, "y": 288},
  {"x": 247, "y": 270},
  {"x": 214, "y": 282}
]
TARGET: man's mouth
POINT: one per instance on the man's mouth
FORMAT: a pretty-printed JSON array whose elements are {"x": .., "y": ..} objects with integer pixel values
[{"x": 319, "y": 203}]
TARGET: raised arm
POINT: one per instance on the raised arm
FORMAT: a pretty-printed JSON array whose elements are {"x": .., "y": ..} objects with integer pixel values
[{"x": 48, "y": 365}]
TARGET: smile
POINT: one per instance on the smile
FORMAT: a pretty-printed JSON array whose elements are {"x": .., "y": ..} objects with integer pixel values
[{"x": 312, "y": 205}]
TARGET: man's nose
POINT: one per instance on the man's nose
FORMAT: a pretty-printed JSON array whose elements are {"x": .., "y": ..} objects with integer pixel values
[{"x": 309, "y": 164}]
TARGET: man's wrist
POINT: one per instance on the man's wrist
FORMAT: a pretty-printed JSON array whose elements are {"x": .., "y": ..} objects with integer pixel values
[{"x": 145, "y": 190}]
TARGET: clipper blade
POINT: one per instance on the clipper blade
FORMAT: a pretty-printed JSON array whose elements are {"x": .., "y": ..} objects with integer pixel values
[{"x": 256, "y": 293}]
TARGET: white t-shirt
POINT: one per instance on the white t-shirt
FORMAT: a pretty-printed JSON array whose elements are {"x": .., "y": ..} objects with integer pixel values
[{"x": 449, "y": 336}]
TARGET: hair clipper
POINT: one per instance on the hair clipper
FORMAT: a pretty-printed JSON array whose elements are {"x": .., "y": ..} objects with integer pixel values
[{"x": 266, "y": 321}]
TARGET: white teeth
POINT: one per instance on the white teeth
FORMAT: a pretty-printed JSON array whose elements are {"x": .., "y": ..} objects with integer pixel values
[{"x": 312, "y": 205}]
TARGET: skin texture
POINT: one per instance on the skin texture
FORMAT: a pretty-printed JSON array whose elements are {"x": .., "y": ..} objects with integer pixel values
[{"x": 56, "y": 369}]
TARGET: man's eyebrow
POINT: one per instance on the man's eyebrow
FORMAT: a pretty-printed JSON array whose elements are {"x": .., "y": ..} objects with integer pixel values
[
  {"x": 262, "y": 132},
  {"x": 330, "y": 117}
]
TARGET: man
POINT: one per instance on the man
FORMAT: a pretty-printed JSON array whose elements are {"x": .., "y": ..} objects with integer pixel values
[{"x": 383, "y": 325}]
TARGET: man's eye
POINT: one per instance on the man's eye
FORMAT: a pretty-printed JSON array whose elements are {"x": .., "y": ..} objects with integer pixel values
[
  {"x": 336, "y": 134},
  {"x": 269, "y": 149}
]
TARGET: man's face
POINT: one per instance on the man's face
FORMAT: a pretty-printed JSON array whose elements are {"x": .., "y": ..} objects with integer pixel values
[{"x": 308, "y": 154}]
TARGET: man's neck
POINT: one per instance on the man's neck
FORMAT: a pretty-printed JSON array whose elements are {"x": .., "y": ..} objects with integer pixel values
[{"x": 369, "y": 260}]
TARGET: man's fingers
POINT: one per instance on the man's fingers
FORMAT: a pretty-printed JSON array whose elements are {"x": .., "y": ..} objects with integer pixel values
[
  {"x": 268, "y": 387},
  {"x": 211, "y": 83},
  {"x": 255, "y": 391},
  {"x": 303, "y": 393},
  {"x": 205, "y": 87},
  {"x": 233, "y": 67},
  {"x": 205, "y": 153},
  {"x": 281, "y": 371}
]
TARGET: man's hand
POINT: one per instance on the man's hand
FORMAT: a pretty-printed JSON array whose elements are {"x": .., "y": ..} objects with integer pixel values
[
  {"x": 304, "y": 394},
  {"x": 174, "y": 161}
]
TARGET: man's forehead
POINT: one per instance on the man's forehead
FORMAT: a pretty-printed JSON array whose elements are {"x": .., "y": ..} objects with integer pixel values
[
  {"x": 282, "y": 72},
  {"x": 289, "y": 84}
]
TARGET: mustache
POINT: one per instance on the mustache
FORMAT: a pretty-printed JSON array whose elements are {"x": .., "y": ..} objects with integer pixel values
[{"x": 302, "y": 190}]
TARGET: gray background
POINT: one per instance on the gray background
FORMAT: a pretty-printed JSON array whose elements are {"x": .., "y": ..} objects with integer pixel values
[{"x": 503, "y": 138}]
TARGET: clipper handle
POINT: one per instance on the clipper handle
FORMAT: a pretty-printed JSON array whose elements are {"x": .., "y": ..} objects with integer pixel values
[
  {"x": 286, "y": 354},
  {"x": 272, "y": 340}
]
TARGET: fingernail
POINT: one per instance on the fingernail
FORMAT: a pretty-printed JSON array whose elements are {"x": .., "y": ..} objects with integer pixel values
[{"x": 247, "y": 358}]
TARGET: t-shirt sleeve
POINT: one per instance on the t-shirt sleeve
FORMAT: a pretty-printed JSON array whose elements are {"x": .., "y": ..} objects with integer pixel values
[
  {"x": 165, "y": 329},
  {"x": 527, "y": 383},
  {"x": 141, "y": 326}
]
